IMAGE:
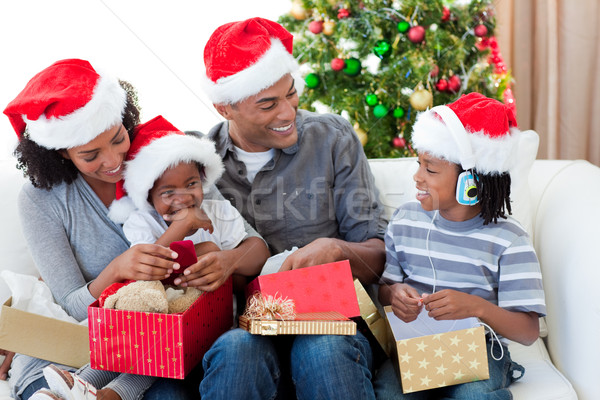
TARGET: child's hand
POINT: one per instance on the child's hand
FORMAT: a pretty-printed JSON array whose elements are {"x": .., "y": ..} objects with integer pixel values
[
  {"x": 451, "y": 304},
  {"x": 406, "y": 302},
  {"x": 210, "y": 272},
  {"x": 192, "y": 218}
]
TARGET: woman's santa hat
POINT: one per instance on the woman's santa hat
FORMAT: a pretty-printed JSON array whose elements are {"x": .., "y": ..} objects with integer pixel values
[
  {"x": 67, "y": 104},
  {"x": 243, "y": 58},
  {"x": 475, "y": 131},
  {"x": 156, "y": 147}
]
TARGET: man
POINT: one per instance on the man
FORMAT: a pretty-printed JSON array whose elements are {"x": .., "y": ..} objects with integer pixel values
[{"x": 300, "y": 179}]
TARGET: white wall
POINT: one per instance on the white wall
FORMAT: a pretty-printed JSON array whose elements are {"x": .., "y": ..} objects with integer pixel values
[{"x": 156, "y": 45}]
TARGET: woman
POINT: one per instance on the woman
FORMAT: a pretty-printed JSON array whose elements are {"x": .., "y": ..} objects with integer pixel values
[{"x": 74, "y": 126}]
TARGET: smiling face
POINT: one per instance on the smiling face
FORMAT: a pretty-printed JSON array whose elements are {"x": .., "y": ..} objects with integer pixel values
[
  {"x": 177, "y": 188},
  {"x": 266, "y": 120},
  {"x": 101, "y": 160},
  {"x": 436, "y": 188}
]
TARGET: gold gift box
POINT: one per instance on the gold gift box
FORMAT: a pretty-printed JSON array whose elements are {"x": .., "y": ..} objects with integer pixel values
[
  {"x": 321, "y": 323},
  {"x": 440, "y": 359}
]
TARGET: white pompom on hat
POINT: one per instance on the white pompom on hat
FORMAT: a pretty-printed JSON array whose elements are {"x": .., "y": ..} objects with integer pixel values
[
  {"x": 245, "y": 57},
  {"x": 474, "y": 131},
  {"x": 67, "y": 105},
  {"x": 157, "y": 146}
]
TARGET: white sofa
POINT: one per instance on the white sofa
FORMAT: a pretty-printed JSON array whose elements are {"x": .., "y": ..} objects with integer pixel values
[{"x": 559, "y": 207}]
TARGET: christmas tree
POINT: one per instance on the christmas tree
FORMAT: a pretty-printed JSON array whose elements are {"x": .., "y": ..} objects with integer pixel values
[{"x": 379, "y": 62}]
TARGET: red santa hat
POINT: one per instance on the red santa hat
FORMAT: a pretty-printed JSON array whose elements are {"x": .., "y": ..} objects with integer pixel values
[
  {"x": 243, "y": 58},
  {"x": 156, "y": 147},
  {"x": 475, "y": 131},
  {"x": 67, "y": 104}
]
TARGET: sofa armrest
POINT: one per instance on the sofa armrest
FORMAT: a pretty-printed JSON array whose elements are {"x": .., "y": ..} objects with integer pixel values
[{"x": 566, "y": 197}]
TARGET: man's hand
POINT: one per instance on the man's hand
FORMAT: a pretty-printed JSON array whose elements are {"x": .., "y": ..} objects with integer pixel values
[
  {"x": 320, "y": 251},
  {"x": 8, "y": 356}
]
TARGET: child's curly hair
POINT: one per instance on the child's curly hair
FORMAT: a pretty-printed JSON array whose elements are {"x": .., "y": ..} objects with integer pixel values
[
  {"x": 493, "y": 191},
  {"x": 46, "y": 168}
]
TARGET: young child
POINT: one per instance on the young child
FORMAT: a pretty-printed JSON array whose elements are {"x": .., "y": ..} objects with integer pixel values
[
  {"x": 167, "y": 174},
  {"x": 456, "y": 252}
]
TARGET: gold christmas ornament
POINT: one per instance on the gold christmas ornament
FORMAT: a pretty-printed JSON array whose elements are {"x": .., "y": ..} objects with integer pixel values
[
  {"x": 298, "y": 11},
  {"x": 328, "y": 27},
  {"x": 362, "y": 135},
  {"x": 421, "y": 98}
]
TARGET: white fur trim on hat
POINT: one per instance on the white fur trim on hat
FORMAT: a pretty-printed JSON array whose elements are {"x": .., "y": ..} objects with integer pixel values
[
  {"x": 155, "y": 158},
  {"x": 121, "y": 209},
  {"x": 270, "y": 67},
  {"x": 103, "y": 111},
  {"x": 430, "y": 135}
]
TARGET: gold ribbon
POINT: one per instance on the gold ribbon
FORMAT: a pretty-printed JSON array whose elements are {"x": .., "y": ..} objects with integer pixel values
[{"x": 267, "y": 307}]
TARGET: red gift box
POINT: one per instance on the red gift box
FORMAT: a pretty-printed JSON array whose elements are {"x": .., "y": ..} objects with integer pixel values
[
  {"x": 162, "y": 345},
  {"x": 321, "y": 288}
]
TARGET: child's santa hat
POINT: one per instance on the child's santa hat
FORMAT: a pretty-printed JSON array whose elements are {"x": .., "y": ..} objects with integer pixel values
[
  {"x": 157, "y": 146},
  {"x": 67, "y": 104},
  {"x": 243, "y": 58},
  {"x": 475, "y": 131}
]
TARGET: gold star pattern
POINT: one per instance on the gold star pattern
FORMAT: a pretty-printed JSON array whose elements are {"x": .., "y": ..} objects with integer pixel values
[{"x": 442, "y": 359}]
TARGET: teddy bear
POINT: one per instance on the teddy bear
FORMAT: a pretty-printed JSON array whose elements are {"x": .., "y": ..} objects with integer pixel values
[{"x": 149, "y": 296}]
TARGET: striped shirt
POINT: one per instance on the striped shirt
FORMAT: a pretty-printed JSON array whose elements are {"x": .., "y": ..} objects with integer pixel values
[{"x": 496, "y": 261}]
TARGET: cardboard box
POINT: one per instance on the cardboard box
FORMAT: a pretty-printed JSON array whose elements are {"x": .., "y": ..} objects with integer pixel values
[
  {"x": 430, "y": 354},
  {"x": 42, "y": 337},
  {"x": 325, "y": 323},
  {"x": 162, "y": 345},
  {"x": 374, "y": 322},
  {"x": 320, "y": 288}
]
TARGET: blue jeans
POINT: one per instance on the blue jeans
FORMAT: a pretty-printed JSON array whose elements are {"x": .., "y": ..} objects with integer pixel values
[
  {"x": 387, "y": 385},
  {"x": 240, "y": 365}
]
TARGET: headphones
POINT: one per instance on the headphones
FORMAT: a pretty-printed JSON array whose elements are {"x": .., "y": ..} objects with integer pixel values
[{"x": 466, "y": 188}]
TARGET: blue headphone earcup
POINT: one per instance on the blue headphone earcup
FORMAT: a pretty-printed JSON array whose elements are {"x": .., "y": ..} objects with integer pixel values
[{"x": 466, "y": 189}]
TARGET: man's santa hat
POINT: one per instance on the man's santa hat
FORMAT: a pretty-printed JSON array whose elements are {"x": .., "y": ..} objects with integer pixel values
[
  {"x": 67, "y": 104},
  {"x": 156, "y": 147},
  {"x": 475, "y": 132},
  {"x": 243, "y": 58}
]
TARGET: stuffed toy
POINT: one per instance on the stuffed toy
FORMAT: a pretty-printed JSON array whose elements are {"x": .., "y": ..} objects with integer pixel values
[{"x": 154, "y": 296}]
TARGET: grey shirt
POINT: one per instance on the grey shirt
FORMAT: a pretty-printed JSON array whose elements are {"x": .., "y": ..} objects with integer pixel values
[{"x": 319, "y": 187}]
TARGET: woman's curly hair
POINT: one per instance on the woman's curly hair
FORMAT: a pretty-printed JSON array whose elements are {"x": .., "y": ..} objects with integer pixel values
[{"x": 46, "y": 168}]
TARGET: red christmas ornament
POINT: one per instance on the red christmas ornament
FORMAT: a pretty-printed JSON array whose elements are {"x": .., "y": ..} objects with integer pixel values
[
  {"x": 480, "y": 30},
  {"x": 416, "y": 34},
  {"x": 441, "y": 85},
  {"x": 343, "y": 13},
  {"x": 316, "y": 27},
  {"x": 338, "y": 64},
  {"x": 446, "y": 14},
  {"x": 434, "y": 71},
  {"x": 399, "y": 142},
  {"x": 454, "y": 83}
]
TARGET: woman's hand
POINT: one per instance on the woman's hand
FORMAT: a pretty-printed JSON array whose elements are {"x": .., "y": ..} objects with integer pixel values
[
  {"x": 8, "y": 356},
  {"x": 146, "y": 262},
  {"x": 405, "y": 301}
]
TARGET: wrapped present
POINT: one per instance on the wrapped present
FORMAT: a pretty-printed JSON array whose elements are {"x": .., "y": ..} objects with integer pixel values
[
  {"x": 372, "y": 322},
  {"x": 430, "y": 354},
  {"x": 320, "y": 288},
  {"x": 162, "y": 345},
  {"x": 270, "y": 315}
]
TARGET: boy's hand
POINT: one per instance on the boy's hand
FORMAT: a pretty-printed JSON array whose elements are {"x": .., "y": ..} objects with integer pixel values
[
  {"x": 451, "y": 304},
  {"x": 193, "y": 218},
  {"x": 406, "y": 302}
]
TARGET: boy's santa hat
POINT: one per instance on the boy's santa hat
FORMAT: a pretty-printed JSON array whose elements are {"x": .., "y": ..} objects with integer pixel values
[
  {"x": 475, "y": 131},
  {"x": 243, "y": 58},
  {"x": 157, "y": 146},
  {"x": 67, "y": 104}
]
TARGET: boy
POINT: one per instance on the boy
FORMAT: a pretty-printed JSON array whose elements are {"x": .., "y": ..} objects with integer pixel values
[{"x": 455, "y": 252}]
